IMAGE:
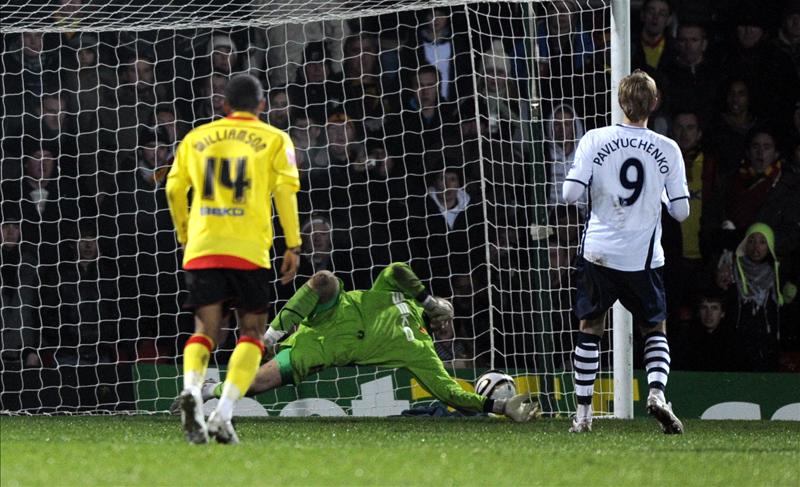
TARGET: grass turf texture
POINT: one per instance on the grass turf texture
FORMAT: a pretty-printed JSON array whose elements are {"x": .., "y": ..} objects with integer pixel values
[{"x": 397, "y": 451}]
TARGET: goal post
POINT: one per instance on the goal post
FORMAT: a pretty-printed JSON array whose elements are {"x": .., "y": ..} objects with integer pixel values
[
  {"x": 432, "y": 132},
  {"x": 621, "y": 317}
]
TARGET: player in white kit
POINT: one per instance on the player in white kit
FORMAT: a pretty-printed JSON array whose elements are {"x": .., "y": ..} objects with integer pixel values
[{"x": 628, "y": 171}]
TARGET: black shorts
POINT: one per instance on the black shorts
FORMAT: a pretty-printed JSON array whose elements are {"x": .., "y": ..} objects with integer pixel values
[
  {"x": 248, "y": 291},
  {"x": 641, "y": 292}
]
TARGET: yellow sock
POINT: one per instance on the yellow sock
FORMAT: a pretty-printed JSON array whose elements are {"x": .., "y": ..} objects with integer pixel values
[
  {"x": 243, "y": 364},
  {"x": 242, "y": 369},
  {"x": 196, "y": 354}
]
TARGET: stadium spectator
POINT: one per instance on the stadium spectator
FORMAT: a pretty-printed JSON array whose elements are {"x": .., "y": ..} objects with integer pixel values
[
  {"x": 565, "y": 224},
  {"x": 693, "y": 79},
  {"x": 224, "y": 54},
  {"x": 564, "y": 46},
  {"x": 318, "y": 253},
  {"x": 563, "y": 129},
  {"x": 19, "y": 298},
  {"x": 285, "y": 47},
  {"x": 361, "y": 210},
  {"x": 209, "y": 103},
  {"x": 788, "y": 38},
  {"x": 51, "y": 123},
  {"x": 145, "y": 240},
  {"x": 500, "y": 100},
  {"x": 342, "y": 144},
  {"x": 150, "y": 91},
  {"x": 471, "y": 320},
  {"x": 81, "y": 287},
  {"x": 278, "y": 108},
  {"x": 450, "y": 349},
  {"x": 710, "y": 342},
  {"x": 690, "y": 246},
  {"x": 305, "y": 132},
  {"x": 317, "y": 88},
  {"x": 769, "y": 72},
  {"x": 69, "y": 14},
  {"x": 31, "y": 70},
  {"x": 48, "y": 203},
  {"x": 748, "y": 188},
  {"x": 131, "y": 105},
  {"x": 444, "y": 229},
  {"x": 751, "y": 277},
  {"x": 794, "y": 127},
  {"x": 728, "y": 135},
  {"x": 91, "y": 82},
  {"x": 561, "y": 259},
  {"x": 420, "y": 128},
  {"x": 363, "y": 89},
  {"x": 697, "y": 231},
  {"x": 463, "y": 144},
  {"x": 660, "y": 121},
  {"x": 560, "y": 265},
  {"x": 653, "y": 45},
  {"x": 441, "y": 43},
  {"x": 167, "y": 125},
  {"x": 510, "y": 284},
  {"x": 781, "y": 210}
]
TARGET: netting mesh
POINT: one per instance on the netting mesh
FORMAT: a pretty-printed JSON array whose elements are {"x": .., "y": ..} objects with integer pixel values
[
  {"x": 72, "y": 15},
  {"x": 427, "y": 133}
]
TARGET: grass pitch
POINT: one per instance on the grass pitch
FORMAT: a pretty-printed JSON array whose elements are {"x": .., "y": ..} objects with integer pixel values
[{"x": 140, "y": 450}]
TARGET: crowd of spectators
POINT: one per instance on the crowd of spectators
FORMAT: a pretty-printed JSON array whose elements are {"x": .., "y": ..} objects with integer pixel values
[
  {"x": 414, "y": 137},
  {"x": 730, "y": 78}
]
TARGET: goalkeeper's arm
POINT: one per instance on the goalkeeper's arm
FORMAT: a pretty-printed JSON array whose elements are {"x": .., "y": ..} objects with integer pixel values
[{"x": 400, "y": 276}]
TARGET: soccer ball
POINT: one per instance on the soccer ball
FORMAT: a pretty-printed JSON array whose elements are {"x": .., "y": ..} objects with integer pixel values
[{"x": 496, "y": 385}]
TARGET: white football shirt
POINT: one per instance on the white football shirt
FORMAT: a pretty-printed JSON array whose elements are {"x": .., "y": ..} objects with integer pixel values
[{"x": 626, "y": 169}]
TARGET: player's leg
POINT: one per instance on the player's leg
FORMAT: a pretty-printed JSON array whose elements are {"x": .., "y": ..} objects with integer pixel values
[
  {"x": 268, "y": 377},
  {"x": 197, "y": 351},
  {"x": 301, "y": 354},
  {"x": 196, "y": 355},
  {"x": 242, "y": 368},
  {"x": 657, "y": 366},
  {"x": 586, "y": 363},
  {"x": 318, "y": 295},
  {"x": 596, "y": 292},
  {"x": 646, "y": 299}
]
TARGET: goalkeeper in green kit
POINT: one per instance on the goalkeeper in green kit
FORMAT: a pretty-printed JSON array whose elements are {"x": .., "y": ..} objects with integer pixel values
[{"x": 386, "y": 326}]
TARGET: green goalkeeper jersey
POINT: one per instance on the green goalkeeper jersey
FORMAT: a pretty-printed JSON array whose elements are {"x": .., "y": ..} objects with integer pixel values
[
  {"x": 384, "y": 327},
  {"x": 360, "y": 321}
]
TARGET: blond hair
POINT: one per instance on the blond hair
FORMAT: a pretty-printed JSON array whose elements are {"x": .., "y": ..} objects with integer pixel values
[{"x": 637, "y": 95}]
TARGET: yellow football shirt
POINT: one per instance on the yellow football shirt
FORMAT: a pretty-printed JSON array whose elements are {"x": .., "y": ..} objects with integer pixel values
[
  {"x": 691, "y": 226},
  {"x": 234, "y": 166},
  {"x": 653, "y": 52}
]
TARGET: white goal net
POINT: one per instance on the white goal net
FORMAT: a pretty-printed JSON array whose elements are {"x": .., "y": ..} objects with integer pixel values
[{"x": 431, "y": 132}]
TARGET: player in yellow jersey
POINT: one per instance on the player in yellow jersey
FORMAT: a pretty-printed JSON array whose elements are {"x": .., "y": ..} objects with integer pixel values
[{"x": 234, "y": 166}]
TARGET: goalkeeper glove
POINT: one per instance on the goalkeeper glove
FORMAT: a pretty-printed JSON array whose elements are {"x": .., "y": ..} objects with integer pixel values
[
  {"x": 439, "y": 310},
  {"x": 520, "y": 408}
]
